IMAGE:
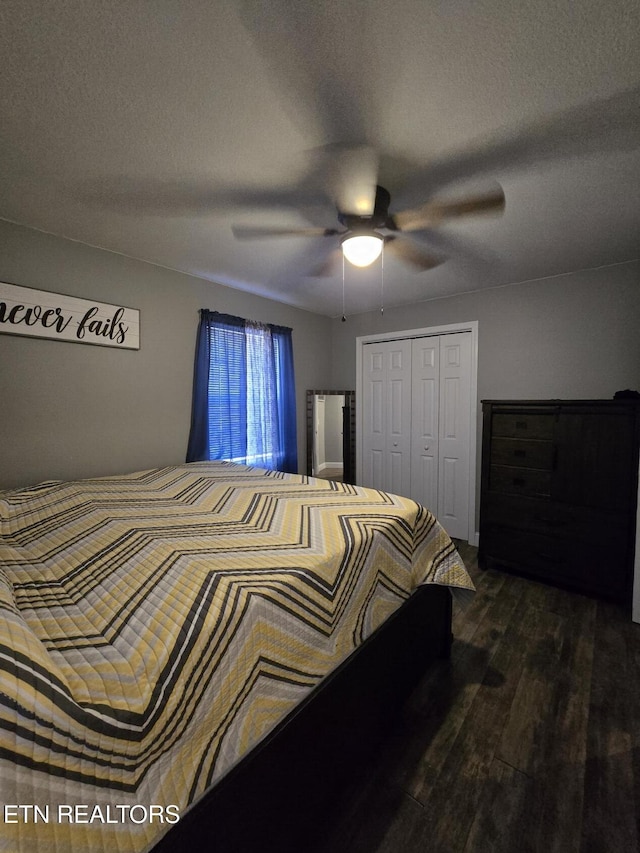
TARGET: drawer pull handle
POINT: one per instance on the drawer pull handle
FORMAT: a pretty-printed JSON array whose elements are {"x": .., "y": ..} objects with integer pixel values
[
  {"x": 551, "y": 558},
  {"x": 519, "y": 452},
  {"x": 519, "y": 481},
  {"x": 552, "y": 522}
]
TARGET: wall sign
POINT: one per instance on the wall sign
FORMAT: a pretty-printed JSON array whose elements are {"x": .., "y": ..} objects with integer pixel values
[{"x": 41, "y": 314}]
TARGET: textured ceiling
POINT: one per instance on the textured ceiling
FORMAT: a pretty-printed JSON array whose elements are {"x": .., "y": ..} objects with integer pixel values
[{"x": 150, "y": 128}]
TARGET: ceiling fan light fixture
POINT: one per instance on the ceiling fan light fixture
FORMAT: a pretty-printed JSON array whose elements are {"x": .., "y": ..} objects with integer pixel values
[{"x": 362, "y": 249}]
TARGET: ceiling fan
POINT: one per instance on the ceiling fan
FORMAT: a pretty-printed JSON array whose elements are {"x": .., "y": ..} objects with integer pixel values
[{"x": 365, "y": 223}]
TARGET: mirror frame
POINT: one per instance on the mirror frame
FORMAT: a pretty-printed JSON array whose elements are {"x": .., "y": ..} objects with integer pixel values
[{"x": 350, "y": 402}]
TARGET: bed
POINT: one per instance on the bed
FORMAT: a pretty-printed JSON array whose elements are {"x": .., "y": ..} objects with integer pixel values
[{"x": 182, "y": 648}]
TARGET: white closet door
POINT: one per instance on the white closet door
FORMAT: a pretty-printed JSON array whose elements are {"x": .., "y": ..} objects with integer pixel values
[
  {"x": 417, "y": 421},
  {"x": 387, "y": 417},
  {"x": 425, "y": 403},
  {"x": 454, "y": 434}
]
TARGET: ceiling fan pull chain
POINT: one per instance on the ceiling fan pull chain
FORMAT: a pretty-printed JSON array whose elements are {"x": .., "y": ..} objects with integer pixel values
[
  {"x": 382, "y": 279},
  {"x": 344, "y": 316}
]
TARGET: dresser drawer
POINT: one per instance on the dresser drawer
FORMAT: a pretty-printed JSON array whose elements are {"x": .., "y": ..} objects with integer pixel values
[
  {"x": 532, "y": 552},
  {"x": 525, "y": 513},
  {"x": 590, "y": 565},
  {"x": 523, "y": 425},
  {"x": 550, "y": 518},
  {"x": 509, "y": 480},
  {"x": 523, "y": 453}
]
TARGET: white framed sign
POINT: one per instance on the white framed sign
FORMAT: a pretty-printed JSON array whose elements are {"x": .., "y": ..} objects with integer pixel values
[{"x": 41, "y": 314}]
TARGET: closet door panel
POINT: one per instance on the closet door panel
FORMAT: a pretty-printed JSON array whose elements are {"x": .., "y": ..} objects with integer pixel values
[
  {"x": 376, "y": 464},
  {"x": 425, "y": 396},
  {"x": 454, "y": 424},
  {"x": 376, "y": 414},
  {"x": 387, "y": 417},
  {"x": 450, "y": 479},
  {"x": 398, "y": 411}
]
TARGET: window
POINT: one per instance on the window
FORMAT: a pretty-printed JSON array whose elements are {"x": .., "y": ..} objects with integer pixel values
[{"x": 244, "y": 394}]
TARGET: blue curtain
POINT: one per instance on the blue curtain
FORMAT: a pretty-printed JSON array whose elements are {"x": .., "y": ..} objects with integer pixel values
[{"x": 244, "y": 406}]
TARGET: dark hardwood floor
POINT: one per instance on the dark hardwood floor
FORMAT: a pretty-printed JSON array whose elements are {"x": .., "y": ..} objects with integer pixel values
[{"x": 528, "y": 739}]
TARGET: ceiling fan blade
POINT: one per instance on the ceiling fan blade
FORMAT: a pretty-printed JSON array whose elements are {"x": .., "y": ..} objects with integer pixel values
[
  {"x": 608, "y": 124},
  {"x": 328, "y": 267},
  {"x": 435, "y": 212},
  {"x": 353, "y": 176},
  {"x": 324, "y": 88},
  {"x": 411, "y": 254},
  {"x": 251, "y": 232},
  {"x": 189, "y": 196}
]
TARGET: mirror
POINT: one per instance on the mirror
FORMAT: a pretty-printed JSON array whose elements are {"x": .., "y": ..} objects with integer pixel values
[{"x": 331, "y": 419}]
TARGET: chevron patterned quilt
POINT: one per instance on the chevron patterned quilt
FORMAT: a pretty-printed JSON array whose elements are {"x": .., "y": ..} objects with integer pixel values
[{"x": 156, "y": 626}]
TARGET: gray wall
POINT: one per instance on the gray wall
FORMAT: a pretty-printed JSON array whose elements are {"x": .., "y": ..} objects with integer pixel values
[
  {"x": 69, "y": 410},
  {"x": 572, "y": 336}
]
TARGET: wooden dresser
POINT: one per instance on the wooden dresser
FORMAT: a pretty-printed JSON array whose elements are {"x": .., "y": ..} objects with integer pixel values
[{"x": 559, "y": 491}]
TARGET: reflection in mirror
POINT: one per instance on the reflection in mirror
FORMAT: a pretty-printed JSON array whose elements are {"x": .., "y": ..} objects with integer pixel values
[{"x": 331, "y": 434}]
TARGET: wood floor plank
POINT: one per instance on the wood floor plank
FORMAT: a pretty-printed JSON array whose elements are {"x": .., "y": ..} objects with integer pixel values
[
  {"x": 610, "y": 821},
  {"x": 631, "y": 632},
  {"x": 466, "y": 621},
  {"x": 380, "y": 819},
  {"x": 530, "y": 720},
  {"x": 563, "y": 765},
  {"x": 504, "y": 820}
]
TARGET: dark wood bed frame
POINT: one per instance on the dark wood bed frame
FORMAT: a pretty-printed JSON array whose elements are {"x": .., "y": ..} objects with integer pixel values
[{"x": 278, "y": 797}]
